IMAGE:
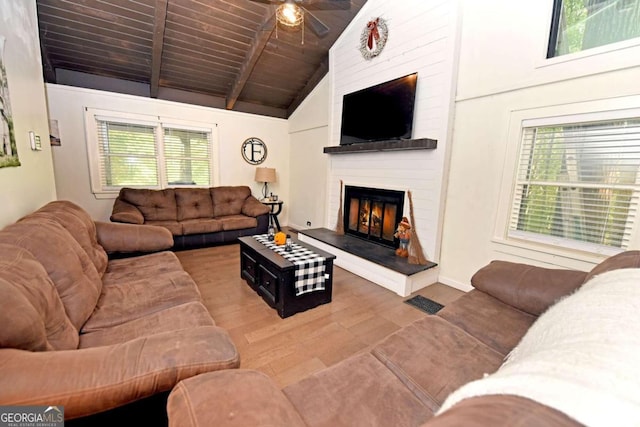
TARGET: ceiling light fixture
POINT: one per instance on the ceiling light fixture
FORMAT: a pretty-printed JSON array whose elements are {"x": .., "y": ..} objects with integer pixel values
[{"x": 290, "y": 16}]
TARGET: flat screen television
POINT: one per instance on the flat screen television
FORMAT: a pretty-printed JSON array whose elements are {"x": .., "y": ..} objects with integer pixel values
[{"x": 378, "y": 113}]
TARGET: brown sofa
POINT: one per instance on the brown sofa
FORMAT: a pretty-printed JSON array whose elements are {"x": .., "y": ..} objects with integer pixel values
[
  {"x": 91, "y": 334},
  {"x": 195, "y": 216},
  {"x": 405, "y": 379}
]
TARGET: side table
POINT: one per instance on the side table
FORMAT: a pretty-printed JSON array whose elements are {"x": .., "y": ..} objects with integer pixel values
[{"x": 276, "y": 208}]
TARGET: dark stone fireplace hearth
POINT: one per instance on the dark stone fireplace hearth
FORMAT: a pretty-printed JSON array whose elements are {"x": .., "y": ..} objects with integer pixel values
[{"x": 361, "y": 248}]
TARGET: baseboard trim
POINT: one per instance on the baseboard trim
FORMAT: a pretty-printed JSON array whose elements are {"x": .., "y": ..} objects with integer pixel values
[{"x": 465, "y": 287}]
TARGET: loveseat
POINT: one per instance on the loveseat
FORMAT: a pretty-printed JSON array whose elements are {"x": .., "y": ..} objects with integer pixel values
[
  {"x": 441, "y": 360},
  {"x": 195, "y": 216},
  {"x": 90, "y": 334}
]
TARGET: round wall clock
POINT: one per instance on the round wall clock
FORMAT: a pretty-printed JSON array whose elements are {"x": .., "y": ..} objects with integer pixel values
[
  {"x": 373, "y": 38},
  {"x": 254, "y": 151}
]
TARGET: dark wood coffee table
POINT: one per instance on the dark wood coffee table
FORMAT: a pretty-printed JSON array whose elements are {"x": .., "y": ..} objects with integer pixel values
[{"x": 272, "y": 277}]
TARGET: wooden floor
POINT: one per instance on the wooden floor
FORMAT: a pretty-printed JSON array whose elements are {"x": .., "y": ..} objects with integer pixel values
[{"x": 361, "y": 314}]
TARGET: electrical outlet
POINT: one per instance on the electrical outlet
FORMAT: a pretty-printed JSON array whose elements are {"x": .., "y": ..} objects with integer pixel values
[{"x": 308, "y": 223}]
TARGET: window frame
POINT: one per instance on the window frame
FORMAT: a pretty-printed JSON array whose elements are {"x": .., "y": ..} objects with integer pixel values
[
  {"x": 92, "y": 115},
  {"x": 546, "y": 248},
  {"x": 554, "y": 27}
]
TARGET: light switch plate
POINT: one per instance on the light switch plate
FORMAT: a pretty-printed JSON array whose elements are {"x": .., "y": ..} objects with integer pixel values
[{"x": 34, "y": 141}]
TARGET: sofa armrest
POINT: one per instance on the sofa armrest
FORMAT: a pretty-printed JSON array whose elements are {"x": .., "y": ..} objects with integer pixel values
[
  {"x": 93, "y": 380},
  {"x": 526, "y": 287},
  {"x": 126, "y": 212},
  {"x": 230, "y": 398},
  {"x": 253, "y": 207},
  {"x": 114, "y": 237}
]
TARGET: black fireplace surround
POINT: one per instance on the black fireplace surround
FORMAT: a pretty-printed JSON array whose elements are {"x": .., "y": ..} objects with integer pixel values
[{"x": 373, "y": 214}]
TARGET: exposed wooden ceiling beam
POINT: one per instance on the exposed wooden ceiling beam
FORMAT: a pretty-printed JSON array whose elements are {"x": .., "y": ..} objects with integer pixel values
[
  {"x": 47, "y": 66},
  {"x": 320, "y": 72},
  {"x": 253, "y": 54},
  {"x": 159, "y": 23}
]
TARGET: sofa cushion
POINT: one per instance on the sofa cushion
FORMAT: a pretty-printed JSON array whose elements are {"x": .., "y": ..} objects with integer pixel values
[
  {"x": 359, "y": 391},
  {"x": 31, "y": 313},
  {"x": 229, "y": 200},
  {"x": 203, "y": 400},
  {"x": 432, "y": 358},
  {"x": 194, "y": 203},
  {"x": 496, "y": 324},
  {"x": 174, "y": 227},
  {"x": 67, "y": 264},
  {"x": 140, "y": 267},
  {"x": 195, "y": 226},
  {"x": 237, "y": 222},
  {"x": 526, "y": 287},
  {"x": 628, "y": 259},
  {"x": 155, "y": 205},
  {"x": 79, "y": 224},
  {"x": 177, "y": 318},
  {"x": 129, "y": 300}
]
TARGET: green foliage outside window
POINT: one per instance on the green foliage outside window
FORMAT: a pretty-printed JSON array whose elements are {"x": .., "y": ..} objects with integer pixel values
[
  {"x": 585, "y": 24},
  {"x": 578, "y": 182},
  {"x": 129, "y": 156}
]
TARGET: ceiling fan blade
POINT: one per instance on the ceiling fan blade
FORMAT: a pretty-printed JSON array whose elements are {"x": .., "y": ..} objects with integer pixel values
[
  {"x": 327, "y": 4},
  {"x": 316, "y": 26},
  {"x": 266, "y": 1}
]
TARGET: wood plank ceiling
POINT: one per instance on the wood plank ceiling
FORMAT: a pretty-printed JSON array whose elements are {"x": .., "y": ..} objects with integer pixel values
[{"x": 224, "y": 54}]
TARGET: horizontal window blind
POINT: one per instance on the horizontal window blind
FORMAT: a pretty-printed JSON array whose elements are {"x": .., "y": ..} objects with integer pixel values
[
  {"x": 187, "y": 156},
  {"x": 128, "y": 154},
  {"x": 578, "y": 183},
  {"x": 137, "y": 150}
]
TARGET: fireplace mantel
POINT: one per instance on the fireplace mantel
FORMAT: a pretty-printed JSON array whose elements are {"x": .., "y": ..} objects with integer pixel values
[{"x": 391, "y": 145}]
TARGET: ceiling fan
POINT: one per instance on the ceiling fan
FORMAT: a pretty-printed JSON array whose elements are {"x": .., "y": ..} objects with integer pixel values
[{"x": 295, "y": 13}]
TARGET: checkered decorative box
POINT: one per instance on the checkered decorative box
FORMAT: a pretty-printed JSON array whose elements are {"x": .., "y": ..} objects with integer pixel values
[{"x": 310, "y": 267}]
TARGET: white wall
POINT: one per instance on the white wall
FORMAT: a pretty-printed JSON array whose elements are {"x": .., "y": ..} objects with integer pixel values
[
  {"x": 66, "y": 104},
  {"x": 423, "y": 39},
  {"x": 31, "y": 185},
  {"x": 309, "y": 133},
  {"x": 502, "y": 73}
]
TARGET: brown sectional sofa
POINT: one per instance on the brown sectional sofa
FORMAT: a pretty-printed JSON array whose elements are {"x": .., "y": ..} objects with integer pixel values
[
  {"x": 195, "y": 216},
  {"x": 91, "y": 334},
  {"x": 405, "y": 379}
]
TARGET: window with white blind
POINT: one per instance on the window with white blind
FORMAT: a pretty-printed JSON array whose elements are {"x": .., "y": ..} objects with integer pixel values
[
  {"x": 577, "y": 184},
  {"x": 127, "y": 150}
]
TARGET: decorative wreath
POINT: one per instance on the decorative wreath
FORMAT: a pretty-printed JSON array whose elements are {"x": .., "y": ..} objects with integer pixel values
[{"x": 373, "y": 38}]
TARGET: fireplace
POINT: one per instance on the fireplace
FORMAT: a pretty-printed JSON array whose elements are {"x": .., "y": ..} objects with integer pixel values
[{"x": 373, "y": 213}]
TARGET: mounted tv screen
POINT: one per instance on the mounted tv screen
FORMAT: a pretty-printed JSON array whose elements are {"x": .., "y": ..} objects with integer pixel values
[{"x": 379, "y": 113}]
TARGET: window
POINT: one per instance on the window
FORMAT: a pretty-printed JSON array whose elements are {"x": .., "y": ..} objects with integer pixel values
[
  {"x": 583, "y": 24},
  {"x": 128, "y": 150},
  {"x": 577, "y": 184}
]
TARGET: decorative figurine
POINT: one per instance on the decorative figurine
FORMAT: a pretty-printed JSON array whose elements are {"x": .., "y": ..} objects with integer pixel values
[{"x": 403, "y": 233}]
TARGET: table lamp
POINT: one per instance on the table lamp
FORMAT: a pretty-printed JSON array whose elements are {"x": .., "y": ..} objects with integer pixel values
[{"x": 265, "y": 175}]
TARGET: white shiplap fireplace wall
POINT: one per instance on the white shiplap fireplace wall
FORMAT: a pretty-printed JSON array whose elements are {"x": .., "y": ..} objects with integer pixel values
[{"x": 423, "y": 37}]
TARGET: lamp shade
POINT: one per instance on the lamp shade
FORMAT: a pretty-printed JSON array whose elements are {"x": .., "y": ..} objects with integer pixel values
[{"x": 265, "y": 175}]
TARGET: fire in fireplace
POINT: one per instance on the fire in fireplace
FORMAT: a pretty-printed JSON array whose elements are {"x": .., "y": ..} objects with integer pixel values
[{"x": 373, "y": 213}]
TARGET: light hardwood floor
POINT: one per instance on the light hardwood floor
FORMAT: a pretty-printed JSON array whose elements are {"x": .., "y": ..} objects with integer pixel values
[{"x": 360, "y": 314}]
